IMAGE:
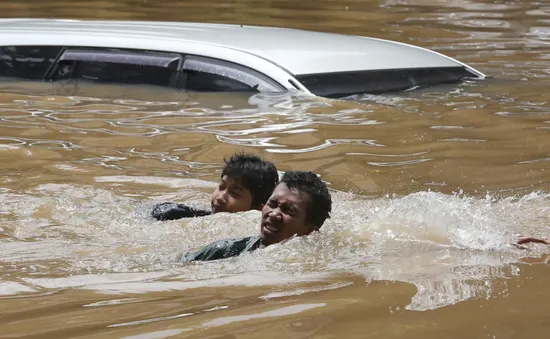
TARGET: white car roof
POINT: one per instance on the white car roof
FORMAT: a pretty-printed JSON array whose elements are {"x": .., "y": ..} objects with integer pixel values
[{"x": 296, "y": 51}]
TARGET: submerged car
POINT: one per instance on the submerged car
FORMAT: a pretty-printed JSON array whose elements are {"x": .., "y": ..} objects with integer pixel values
[{"x": 219, "y": 57}]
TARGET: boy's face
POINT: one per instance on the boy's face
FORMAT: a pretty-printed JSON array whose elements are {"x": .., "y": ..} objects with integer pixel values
[
  {"x": 285, "y": 215},
  {"x": 231, "y": 196}
]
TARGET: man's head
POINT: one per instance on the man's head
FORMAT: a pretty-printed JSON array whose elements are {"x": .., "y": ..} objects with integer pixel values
[
  {"x": 299, "y": 205},
  {"x": 246, "y": 183}
]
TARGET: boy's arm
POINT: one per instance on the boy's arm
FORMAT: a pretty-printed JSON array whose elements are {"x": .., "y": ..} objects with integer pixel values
[{"x": 173, "y": 211}]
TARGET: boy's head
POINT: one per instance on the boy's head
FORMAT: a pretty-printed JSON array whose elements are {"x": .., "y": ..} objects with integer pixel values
[
  {"x": 299, "y": 205},
  {"x": 246, "y": 183}
]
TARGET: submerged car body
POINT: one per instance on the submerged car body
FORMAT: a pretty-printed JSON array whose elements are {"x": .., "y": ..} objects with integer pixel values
[{"x": 218, "y": 57}]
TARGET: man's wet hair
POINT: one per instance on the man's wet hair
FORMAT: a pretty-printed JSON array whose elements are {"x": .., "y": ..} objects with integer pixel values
[
  {"x": 257, "y": 175},
  {"x": 320, "y": 205}
]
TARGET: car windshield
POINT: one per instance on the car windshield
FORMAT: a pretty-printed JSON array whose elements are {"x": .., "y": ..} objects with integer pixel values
[{"x": 343, "y": 84}]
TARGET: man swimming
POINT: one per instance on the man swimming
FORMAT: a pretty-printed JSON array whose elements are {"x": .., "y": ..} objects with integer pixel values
[
  {"x": 245, "y": 184},
  {"x": 299, "y": 205}
]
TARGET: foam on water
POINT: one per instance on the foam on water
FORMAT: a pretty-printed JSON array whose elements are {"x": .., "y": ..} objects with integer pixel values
[{"x": 451, "y": 247}]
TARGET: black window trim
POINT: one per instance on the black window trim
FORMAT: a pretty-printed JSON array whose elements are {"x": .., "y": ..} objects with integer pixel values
[
  {"x": 77, "y": 53},
  {"x": 105, "y": 54},
  {"x": 121, "y": 56}
]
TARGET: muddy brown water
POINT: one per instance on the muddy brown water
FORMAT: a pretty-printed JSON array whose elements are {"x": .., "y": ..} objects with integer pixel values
[{"x": 430, "y": 189}]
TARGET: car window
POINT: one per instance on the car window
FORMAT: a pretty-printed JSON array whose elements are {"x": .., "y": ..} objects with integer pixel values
[
  {"x": 124, "y": 67},
  {"x": 29, "y": 62},
  {"x": 342, "y": 84},
  {"x": 212, "y": 75}
]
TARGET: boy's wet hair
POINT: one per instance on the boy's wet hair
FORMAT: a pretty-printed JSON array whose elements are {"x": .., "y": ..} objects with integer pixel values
[
  {"x": 257, "y": 175},
  {"x": 321, "y": 203}
]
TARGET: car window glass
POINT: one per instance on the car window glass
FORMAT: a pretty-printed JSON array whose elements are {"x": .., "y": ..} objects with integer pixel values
[
  {"x": 29, "y": 62},
  {"x": 212, "y": 75},
  {"x": 119, "y": 67},
  {"x": 342, "y": 84}
]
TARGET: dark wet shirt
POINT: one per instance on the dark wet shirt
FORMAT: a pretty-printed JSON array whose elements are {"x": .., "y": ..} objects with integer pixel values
[
  {"x": 223, "y": 249},
  {"x": 173, "y": 211}
]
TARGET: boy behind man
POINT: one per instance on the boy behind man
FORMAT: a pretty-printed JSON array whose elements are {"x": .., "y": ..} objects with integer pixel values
[
  {"x": 245, "y": 184},
  {"x": 299, "y": 205}
]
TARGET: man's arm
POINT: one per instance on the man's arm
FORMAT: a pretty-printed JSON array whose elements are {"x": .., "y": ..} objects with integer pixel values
[
  {"x": 173, "y": 211},
  {"x": 526, "y": 240}
]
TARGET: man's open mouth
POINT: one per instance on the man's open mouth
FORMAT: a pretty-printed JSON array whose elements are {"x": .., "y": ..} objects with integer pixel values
[{"x": 270, "y": 229}]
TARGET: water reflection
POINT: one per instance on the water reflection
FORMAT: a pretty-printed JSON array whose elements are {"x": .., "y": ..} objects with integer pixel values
[{"x": 119, "y": 133}]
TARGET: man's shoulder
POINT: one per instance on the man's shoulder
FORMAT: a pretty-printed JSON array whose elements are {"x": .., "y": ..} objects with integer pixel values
[{"x": 222, "y": 249}]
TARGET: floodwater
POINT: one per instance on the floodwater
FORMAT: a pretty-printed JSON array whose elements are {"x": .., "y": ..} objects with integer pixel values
[{"x": 430, "y": 189}]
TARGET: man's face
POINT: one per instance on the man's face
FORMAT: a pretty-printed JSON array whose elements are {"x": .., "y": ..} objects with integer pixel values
[
  {"x": 285, "y": 215},
  {"x": 231, "y": 196}
]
